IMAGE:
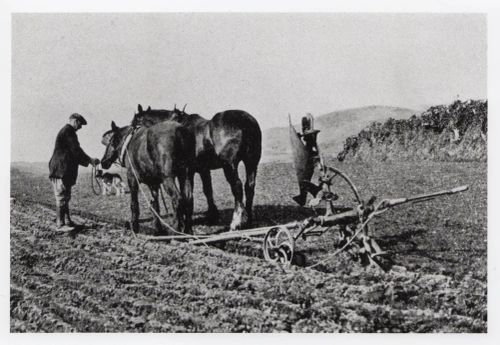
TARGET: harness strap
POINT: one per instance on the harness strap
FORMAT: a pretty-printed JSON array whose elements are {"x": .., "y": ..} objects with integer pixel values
[{"x": 125, "y": 145}]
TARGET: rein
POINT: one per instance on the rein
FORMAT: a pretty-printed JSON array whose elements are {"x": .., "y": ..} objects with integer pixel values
[{"x": 92, "y": 178}]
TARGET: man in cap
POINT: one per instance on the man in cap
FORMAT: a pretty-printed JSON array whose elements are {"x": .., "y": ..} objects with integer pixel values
[
  {"x": 305, "y": 173},
  {"x": 309, "y": 136},
  {"x": 63, "y": 167}
]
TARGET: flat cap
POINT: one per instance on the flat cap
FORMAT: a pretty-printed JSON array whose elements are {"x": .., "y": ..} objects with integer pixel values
[{"x": 78, "y": 117}]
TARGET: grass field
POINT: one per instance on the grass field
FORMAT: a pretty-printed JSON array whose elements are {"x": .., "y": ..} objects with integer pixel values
[{"x": 104, "y": 280}]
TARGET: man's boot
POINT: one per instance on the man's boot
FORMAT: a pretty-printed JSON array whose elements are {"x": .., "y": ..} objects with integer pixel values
[
  {"x": 60, "y": 221},
  {"x": 67, "y": 217},
  {"x": 59, "y": 216}
]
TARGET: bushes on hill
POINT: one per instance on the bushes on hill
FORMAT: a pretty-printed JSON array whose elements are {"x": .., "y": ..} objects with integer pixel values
[{"x": 456, "y": 132}]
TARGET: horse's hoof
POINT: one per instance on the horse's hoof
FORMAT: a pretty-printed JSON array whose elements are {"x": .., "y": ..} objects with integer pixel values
[
  {"x": 235, "y": 224},
  {"x": 240, "y": 218},
  {"x": 234, "y": 227}
]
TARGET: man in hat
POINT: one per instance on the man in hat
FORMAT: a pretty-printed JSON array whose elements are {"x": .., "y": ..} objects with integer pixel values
[
  {"x": 63, "y": 167},
  {"x": 305, "y": 173},
  {"x": 309, "y": 136}
]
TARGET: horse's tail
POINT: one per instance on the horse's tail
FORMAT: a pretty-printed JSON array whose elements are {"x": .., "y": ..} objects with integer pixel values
[{"x": 252, "y": 136}]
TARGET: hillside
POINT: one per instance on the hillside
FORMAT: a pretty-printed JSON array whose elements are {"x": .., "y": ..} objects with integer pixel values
[
  {"x": 442, "y": 133},
  {"x": 335, "y": 128}
]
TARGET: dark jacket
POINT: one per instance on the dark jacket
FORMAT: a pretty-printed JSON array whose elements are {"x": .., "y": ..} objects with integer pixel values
[{"x": 67, "y": 156}]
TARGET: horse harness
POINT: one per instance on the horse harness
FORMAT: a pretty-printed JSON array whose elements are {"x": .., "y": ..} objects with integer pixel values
[{"x": 125, "y": 145}]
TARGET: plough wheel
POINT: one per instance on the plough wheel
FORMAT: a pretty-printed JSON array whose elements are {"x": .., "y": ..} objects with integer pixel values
[
  {"x": 278, "y": 246},
  {"x": 331, "y": 174}
]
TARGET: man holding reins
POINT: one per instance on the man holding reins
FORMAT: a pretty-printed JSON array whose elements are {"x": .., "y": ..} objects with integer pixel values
[{"x": 63, "y": 167}]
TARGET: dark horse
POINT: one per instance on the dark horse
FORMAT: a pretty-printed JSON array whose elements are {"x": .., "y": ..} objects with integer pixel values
[
  {"x": 223, "y": 142},
  {"x": 155, "y": 156}
]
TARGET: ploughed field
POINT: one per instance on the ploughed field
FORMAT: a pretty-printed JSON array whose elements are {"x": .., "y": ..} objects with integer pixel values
[{"x": 101, "y": 279}]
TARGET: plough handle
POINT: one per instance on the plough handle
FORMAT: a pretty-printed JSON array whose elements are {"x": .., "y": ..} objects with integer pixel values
[
  {"x": 459, "y": 189},
  {"x": 422, "y": 197},
  {"x": 353, "y": 215}
]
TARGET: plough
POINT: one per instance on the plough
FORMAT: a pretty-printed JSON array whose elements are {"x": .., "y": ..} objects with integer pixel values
[{"x": 350, "y": 222}]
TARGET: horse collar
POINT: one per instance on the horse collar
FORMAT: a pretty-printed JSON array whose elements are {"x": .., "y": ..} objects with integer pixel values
[{"x": 125, "y": 145}]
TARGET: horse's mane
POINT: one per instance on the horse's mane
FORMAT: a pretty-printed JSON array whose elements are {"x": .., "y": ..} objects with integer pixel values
[{"x": 151, "y": 117}]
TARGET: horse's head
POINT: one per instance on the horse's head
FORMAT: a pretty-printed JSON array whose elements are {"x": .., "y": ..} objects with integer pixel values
[
  {"x": 150, "y": 117},
  {"x": 139, "y": 116},
  {"x": 179, "y": 115},
  {"x": 113, "y": 140}
]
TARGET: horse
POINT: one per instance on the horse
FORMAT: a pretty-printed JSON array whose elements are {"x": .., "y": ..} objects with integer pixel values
[
  {"x": 230, "y": 137},
  {"x": 154, "y": 156}
]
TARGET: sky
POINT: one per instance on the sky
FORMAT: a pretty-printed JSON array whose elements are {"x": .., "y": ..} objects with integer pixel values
[{"x": 270, "y": 65}]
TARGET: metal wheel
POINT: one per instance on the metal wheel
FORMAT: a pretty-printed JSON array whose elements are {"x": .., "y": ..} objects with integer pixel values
[
  {"x": 334, "y": 190},
  {"x": 278, "y": 246},
  {"x": 333, "y": 174}
]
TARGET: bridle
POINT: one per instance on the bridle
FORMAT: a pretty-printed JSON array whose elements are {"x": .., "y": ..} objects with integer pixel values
[{"x": 121, "y": 162}]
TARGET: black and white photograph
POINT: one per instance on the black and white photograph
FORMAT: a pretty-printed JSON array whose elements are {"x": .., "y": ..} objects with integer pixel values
[{"x": 248, "y": 172}]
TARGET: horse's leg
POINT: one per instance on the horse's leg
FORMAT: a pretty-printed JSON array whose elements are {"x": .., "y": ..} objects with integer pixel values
[
  {"x": 134, "y": 202},
  {"x": 189, "y": 200},
  {"x": 173, "y": 192},
  {"x": 212, "y": 214},
  {"x": 156, "y": 207},
  {"x": 186, "y": 183},
  {"x": 251, "y": 170},
  {"x": 239, "y": 214}
]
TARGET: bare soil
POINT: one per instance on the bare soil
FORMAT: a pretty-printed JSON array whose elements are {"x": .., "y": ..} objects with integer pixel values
[{"x": 101, "y": 279}]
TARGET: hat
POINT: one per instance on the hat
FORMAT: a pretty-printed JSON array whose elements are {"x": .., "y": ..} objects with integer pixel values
[
  {"x": 78, "y": 117},
  {"x": 308, "y": 125}
]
